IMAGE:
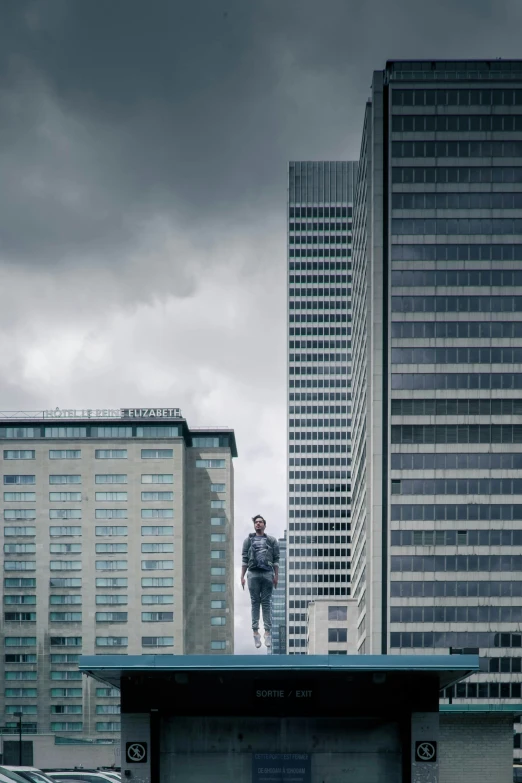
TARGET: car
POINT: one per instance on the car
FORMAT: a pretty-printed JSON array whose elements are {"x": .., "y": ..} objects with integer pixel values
[
  {"x": 82, "y": 775},
  {"x": 6, "y": 776},
  {"x": 29, "y": 774}
]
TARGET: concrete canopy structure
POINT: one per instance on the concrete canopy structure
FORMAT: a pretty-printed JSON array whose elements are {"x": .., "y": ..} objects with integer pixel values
[{"x": 279, "y": 718}]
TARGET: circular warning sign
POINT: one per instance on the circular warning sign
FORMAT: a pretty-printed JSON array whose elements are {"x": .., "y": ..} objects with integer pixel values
[
  {"x": 425, "y": 751},
  {"x": 136, "y": 752}
]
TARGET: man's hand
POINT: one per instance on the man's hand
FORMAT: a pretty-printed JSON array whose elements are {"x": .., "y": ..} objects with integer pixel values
[
  {"x": 243, "y": 582},
  {"x": 275, "y": 582}
]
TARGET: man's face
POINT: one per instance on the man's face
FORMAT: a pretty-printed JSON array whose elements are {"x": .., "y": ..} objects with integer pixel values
[{"x": 259, "y": 525}]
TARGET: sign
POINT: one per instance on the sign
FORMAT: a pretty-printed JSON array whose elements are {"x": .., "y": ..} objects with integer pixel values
[
  {"x": 113, "y": 413},
  {"x": 281, "y": 768},
  {"x": 425, "y": 751},
  {"x": 136, "y": 752},
  {"x": 300, "y": 692}
]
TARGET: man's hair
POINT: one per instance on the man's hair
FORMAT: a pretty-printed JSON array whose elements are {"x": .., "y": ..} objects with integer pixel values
[{"x": 258, "y": 516}]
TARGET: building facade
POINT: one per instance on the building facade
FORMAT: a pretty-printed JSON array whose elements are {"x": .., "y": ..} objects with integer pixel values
[
  {"x": 279, "y": 632},
  {"x": 320, "y": 196},
  {"x": 437, "y": 369},
  {"x": 332, "y": 626},
  {"x": 118, "y": 538}
]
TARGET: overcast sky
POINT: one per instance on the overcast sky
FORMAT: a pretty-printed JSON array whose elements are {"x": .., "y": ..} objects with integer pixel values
[{"x": 143, "y": 159}]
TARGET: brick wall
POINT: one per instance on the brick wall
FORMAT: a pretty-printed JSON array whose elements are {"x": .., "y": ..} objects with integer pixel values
[{"x": 476, "y": 748}]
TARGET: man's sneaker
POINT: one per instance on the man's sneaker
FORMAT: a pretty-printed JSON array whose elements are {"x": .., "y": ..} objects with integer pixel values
[
  {"x": 268, "y": 639},
  {"x": 257, "y": 639}
]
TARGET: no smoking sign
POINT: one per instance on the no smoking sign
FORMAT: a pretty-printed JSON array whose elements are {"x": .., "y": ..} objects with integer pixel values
[
  {"x": 136, "y": 752},
  {"x": 426, "y": 751}
]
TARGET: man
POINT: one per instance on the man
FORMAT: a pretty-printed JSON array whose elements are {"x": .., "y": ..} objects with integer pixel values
[{"x": 261, "y": 561}]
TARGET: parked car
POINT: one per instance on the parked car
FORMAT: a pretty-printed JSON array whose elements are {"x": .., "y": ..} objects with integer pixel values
[
  {"x": 6, "y": 776},
  {"x": 29, "y": 774},
  {"x": 82, "y": 775}
]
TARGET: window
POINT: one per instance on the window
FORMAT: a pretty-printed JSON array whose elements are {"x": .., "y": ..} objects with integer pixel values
[
  {"x": 218, "y": 537},
  {"x": 218, "y": 604},
  {"x": 67, "y": 693},
  {"x": 19, "y": 599},
  {"x": 65, "y": 549},
  {"x": 20, "y": 641},
  {"x": 20, "y": 658},
  {"x": 65, "y": 432},
  {"x": 25, "y": 709},
  {"x": 205, "y": 443},
  {"x": 107, "y": 709},
  {"x": 65, "y": 479},
  {"x": 65, "y": 599},
  {"x": 215, "y": 645},
  {"x": 65, "y": 582},
  {"x": 65, "y": 658},
  {"x": 157, "y": 641},
  {"x": 110, "y": 454},
  {"x": 66, "y": 641},
  {"x": 217, "y": 488},
  {"x": 112, "y": 641},
  {"x": 217, "y": 571},
  {"x": 153, "y": 548},
  {"x": 157, "y": 496},
  {"x": 120, "y": 599},
  {"x": 217, "y": 504},
  {"x": 20, "y": 617},
  {"x": 111, "y": 478},
  {"x": 111, "y": 565},
  {"x": 19, "y": 432},
  {"x": 112, "y": 581},
  {"x": 157, "y": 581},
  {"x": 111, "y": 617},
  {"x": 217, "y": 587},
  {"x": 337, "y": 634},
  {"x": 111, "y": 513},
  {"x": 157, "y": 513},
  {"x": 217, "y": 521},
  {"x": 66, "y": 675},
  {"x": 157, "y": 478},
  {"x": 19, "y": 513},
  {"x": 66, "y": 726},
  {"x": 65, "y": 454},
  {"x": 157, "y": 453},
  {"x": 24, "y": 693},
  {"x": 160, "y": 530},
  {"x": 157, "y": 432},
  {"x": 20, "y": 531},
  {"x": 19, "y": 480},
  {"x": 157, "y": 617},
  {"x": 20, "y": 565},
  {"x": 19, "y": 454},
  {"x": 65, "y": 617},
  {"x": 111, "y": 432},
  {"x": 337, "y": 613},
  {"x": 20, "y": 582},
  {"x": 65, "y": 497},
  {"x": 218, "y": 621},
  {"x": 108, "y": 726},
  {"x": 10, "y": 497},
  {"x": 157, "y": 599},
  {"x": 20, "y": 675},
  {"x": 157, "y": 565},
  {"x": 210, "y": 463},
  {"x": 111, "y": 530},
  {"x": 108, "y": 692},
  {"x": 65, "y": 565},
  {"x": 111, "y": 549},
  {"x": 217, "y": 554},
  {"x": 111, "y": 496}
]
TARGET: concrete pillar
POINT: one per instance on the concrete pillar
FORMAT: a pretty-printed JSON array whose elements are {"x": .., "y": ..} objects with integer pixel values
[
  {"x": 135, "y": 739},
  {"x": 425, "y": 747}
]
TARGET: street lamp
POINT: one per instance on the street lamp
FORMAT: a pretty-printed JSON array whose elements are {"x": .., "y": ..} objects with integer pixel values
[{"x": 19, "y": 716}]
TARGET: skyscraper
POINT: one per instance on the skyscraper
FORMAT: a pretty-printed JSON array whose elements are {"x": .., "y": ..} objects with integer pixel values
[
  {"x": 437, "y": 368},
  {"x": 118, "y": 537},
  {"x": 320, "y": 198},
  {"x": 279, "y": 632}
]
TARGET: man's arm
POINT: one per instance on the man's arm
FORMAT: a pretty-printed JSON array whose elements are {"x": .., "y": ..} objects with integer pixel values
[
  {"x": 244, "y": 561},
  {"x": 276, "y": 575},
  {"x": 243, "y": 572},
  {"x": 276, "y": 561}
]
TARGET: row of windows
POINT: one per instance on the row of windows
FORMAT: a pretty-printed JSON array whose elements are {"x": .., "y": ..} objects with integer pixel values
[
  {"x": 319, "y": 487},
  {"x": 314, "y": 279},
  {"x": 460, "y": 277},
  {"x": 322, "y": 252},
  {"x": 93, "y": 432},
  {"x": 100, "y": 565},
  {"x": 463, "y": 175},
  {"x": 100, "y": 513},
  {"x": 99, "y": 454},
  {"x": 449, "y": 589},
  {"x": 320, "y": 266},
  {"x": 456, "y": 200},
  {"x": 323, "y": 449},
  {"x": 69, "y": 496},
  {"x": 456, "y": 304},
  {"x": 456, "y": 407},
  {"x": 456, "y": 537},
  {"x": 317, "y": 553},
  {"x": 104, "y": 478},
  {"x": 328, "y": 227},
  {"x": 317, "y": 304},
  {"x": 460, "y": 252},
  {"x": 308, "y": 239},
  {"x": 462, "y": 97},
  {"x": 456, "y": 329},
  {"x": 456, "y": 433},
  {"x": 456, "y": 614},
  {"x": 455, "y": 380},
  {"x": 318, "y": 435},
  {"x": 466, "y": 226},
  {"x": 456, "y": 149},
  {"x": 451, "y": 486},
  {"x": 319, "y": 357},
  {"x": 485, "y": 690},
  {"x": 319, "y": 539},
  {"x": 313, "y": 212},
  {"x": 456, "y": 512},
  {"x": 447, "y": 639},
  {"x": 451, "y": 563},
  {"x": 456, "y": 355},
  {"x": 319, "y": 577},
  {"x": 120, "y": 530},
  {"x": 455, "y": 123}
]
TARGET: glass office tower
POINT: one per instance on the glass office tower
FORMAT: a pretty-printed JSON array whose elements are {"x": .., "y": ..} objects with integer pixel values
[
  {"x": 437, "y": 369},
  {"x": 319, "y": 281}
]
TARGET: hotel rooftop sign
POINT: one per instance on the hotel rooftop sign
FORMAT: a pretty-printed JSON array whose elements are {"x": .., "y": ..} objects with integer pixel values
[{"x": 95, "y": 413}]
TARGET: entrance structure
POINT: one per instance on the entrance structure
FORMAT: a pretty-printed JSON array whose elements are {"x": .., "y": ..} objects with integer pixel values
[{"x": 315, "y": 719}]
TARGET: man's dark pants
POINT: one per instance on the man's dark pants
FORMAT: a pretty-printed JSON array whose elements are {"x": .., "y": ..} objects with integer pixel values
[{"x": 260, "y": 585}]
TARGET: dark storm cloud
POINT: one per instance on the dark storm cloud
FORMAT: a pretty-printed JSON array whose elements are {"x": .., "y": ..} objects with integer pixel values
[{"x": 114, "y": 112}]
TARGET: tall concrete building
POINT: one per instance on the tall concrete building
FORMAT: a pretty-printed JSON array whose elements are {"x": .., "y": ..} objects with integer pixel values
[
  {"x": 437, "y": 368},
  {"x": 279, "y": 621},
  {"x": 118, "y": 537},
  {"x": 320, "y": 196}
]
